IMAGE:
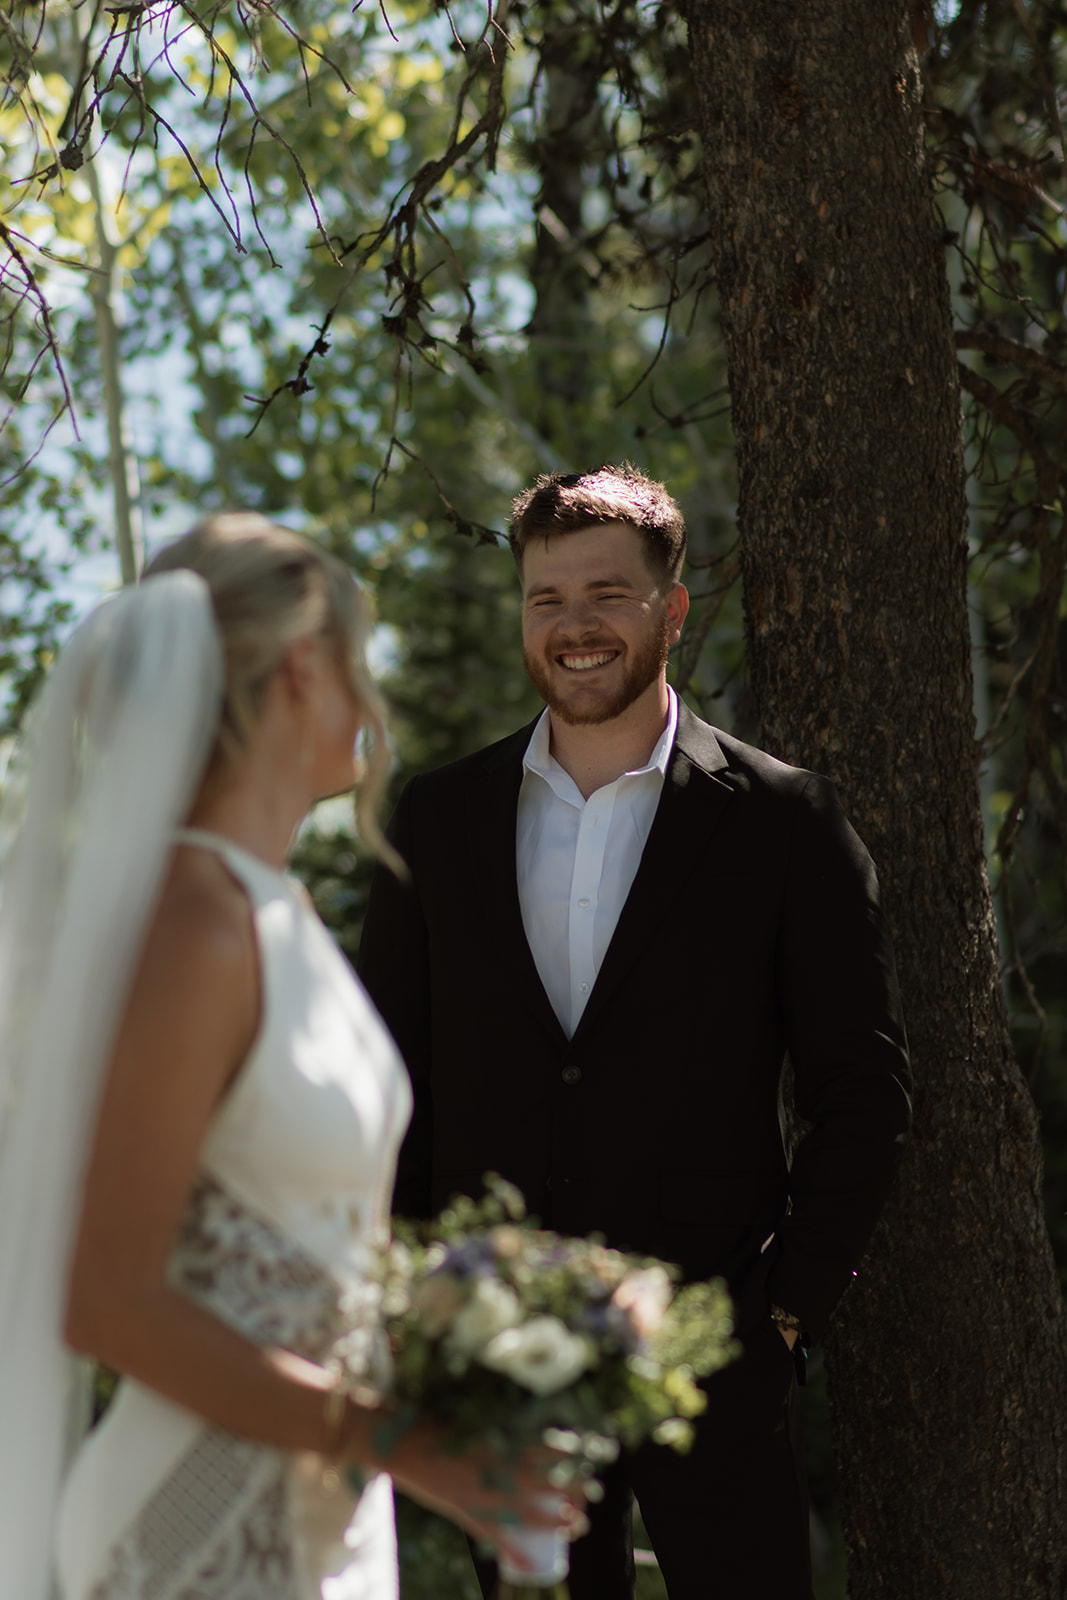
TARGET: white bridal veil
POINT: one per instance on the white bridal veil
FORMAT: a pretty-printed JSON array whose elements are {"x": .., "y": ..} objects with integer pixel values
[{"x": 109, "y": 766}]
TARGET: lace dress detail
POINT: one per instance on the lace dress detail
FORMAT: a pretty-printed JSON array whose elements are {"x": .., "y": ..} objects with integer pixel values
[
  {"x": 218, "y": 1531},
  {"x": 251, "y": 1276},
  {"x": 219, "y": 1528}
]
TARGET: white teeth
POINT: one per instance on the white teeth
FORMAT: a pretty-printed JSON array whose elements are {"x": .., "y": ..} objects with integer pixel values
[{"x": 586, "y": 663}]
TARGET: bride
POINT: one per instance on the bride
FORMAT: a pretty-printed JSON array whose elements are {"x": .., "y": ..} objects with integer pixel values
[{"x": 199, "y": 1108}]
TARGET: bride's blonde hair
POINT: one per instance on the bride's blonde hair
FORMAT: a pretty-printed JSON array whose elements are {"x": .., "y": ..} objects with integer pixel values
[{"x": 270, "y": 586}]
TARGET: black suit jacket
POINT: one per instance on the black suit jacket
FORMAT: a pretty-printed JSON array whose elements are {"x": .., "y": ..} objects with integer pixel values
[{"x": 752, "y": 928}]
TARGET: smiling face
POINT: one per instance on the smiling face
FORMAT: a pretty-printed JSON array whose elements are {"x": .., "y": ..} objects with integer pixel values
[{"x": 596, "y": 621}]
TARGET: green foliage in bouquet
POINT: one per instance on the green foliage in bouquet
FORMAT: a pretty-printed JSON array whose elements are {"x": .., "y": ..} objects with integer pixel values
[{"x": 511, "y": 1335}]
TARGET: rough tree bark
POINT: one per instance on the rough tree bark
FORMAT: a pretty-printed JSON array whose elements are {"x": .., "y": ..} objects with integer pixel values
[{"x": 947, "y": 1361}]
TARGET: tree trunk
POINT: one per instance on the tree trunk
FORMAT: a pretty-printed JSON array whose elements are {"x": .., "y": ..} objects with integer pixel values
[
  {"x": 121, "y": 461},
  {"x": 106, "y": 295},
  {"x": 560, "y": 326},
  {"x": 947, "y": 1363}
]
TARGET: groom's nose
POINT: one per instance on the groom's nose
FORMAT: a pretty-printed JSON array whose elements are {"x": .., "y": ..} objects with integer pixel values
[{"x": 579, "y": 618}]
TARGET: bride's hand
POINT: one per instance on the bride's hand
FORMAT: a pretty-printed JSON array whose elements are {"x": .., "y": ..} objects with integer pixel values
[{"x": 480, "y": 1490}]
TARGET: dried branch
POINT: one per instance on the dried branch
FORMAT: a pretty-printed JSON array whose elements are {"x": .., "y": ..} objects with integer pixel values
[
  {"x": 990, "y": 144},
  {"x": 697, "y": 633},
  {"x": 1001, "y": 410},
  {"x": 470, "y": 530},
  {"x": 108, "y": 76},
  {"x": 32, "y": 290},
  {"x": 1010, "y": 352},
  {"x": 1041, "y": 72},
  {"x": 409, "y": 209}
]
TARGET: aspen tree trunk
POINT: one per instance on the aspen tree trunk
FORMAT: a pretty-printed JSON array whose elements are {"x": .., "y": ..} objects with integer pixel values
[
  {"x": 106, "y": 294},
  {"x": 122, "y": 465},
  {"x": 947, "y": 1360}
]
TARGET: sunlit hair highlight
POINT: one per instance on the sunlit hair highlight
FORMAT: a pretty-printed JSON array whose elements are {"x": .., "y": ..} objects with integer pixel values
[
  {"x": 269, "y": 587},
  {"x": 565, "y": 502}
]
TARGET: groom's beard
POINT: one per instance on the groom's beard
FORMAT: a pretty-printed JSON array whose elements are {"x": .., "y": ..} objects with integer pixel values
[{"x": 566, "y": 699}]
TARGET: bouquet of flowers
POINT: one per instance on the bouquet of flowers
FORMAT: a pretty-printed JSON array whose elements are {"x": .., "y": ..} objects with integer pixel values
[{"x": 510, "y": 1335}]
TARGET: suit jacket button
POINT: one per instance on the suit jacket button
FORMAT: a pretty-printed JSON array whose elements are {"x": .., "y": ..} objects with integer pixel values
[{"x": 572, "y": 1074}]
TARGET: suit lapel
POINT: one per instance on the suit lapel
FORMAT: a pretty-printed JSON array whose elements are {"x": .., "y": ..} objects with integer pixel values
[
  {"x": 492, "y": 842},
  {"x": 691, "y": 804}
]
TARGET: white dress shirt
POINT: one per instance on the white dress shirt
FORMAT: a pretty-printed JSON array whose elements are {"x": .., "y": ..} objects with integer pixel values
[{"x": 576, "y": 860}]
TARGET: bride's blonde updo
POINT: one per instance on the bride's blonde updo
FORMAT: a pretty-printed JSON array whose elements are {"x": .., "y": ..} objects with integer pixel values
[{"x": 270, "y": 586}]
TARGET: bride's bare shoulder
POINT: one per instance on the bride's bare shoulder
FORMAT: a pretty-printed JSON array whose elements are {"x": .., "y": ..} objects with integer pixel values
[
  {"x": 203, "y": 913},
  {"x": 197, "y": 983}
]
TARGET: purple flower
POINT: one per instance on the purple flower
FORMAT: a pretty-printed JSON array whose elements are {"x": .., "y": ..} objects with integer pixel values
[{"x": 474, "y": 1255}]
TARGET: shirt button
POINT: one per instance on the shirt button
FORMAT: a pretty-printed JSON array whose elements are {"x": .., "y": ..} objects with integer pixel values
[
  {"x": 572, "y": 1074},
  {"x": 583, "y": 904},
  {"x": 583, "y": 988}
]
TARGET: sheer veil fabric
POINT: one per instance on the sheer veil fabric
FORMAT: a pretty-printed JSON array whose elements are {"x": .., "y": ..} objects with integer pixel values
[{"x": 113, "y": 755}]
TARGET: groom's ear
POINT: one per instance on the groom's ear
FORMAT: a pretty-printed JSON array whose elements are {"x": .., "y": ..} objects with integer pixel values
[{"x": 677, "y": 611}]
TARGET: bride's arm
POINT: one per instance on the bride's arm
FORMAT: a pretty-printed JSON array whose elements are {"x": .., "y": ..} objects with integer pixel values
[{"x": 191, "y": 1019}]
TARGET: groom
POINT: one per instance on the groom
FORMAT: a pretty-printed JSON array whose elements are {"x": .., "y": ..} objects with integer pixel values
[{"x": 618, "y": 923}]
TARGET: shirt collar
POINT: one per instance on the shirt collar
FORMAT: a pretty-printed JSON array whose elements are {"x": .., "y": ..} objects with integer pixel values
[{"x": 540, "y": 760}]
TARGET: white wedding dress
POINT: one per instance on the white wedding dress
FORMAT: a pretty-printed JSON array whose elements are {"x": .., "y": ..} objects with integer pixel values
[{"x": 290, "y": 1201}]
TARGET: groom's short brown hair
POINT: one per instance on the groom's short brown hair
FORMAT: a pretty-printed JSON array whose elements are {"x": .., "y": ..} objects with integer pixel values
[{"x": 564, "y": 502}]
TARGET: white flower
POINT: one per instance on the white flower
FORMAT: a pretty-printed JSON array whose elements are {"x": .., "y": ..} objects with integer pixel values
[
  {"x": 492, "y": 1308},
  {"x": 543, "y": 1355}
]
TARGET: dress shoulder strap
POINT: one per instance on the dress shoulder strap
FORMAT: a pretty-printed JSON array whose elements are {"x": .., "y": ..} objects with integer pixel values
[{"x": 257, "y": 875}]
